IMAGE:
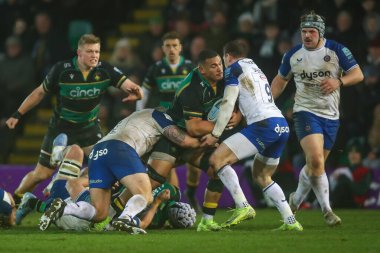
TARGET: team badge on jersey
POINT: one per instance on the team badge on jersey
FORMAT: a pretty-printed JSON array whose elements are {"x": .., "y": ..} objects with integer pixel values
[
  {"x": 97, "y": 76},
  {"x": 327, "y": 58}
]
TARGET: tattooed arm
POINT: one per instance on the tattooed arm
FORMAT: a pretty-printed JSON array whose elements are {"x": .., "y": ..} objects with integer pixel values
[{"x": 180, "y": 137}]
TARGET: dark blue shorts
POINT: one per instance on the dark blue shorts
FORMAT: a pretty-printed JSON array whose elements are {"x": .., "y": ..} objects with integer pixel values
[
  {"x": 110, "y": 161},
  {"x": 269, "y": 136},
  {"x": 306, "y": 123}
]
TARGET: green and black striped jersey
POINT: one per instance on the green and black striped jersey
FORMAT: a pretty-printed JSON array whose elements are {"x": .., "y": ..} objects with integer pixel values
[
  {"x": 78, "y": 97},
  {"x": 194, "y": 98},
  {"x": 163, "y": 81}
]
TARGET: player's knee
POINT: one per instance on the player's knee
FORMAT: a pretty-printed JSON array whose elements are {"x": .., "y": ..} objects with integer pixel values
[
  {"x": 316, "y": 161},
  {"x": 216, "y": 161},
  {"x": 75, "y": 151},
  {"x": 215, "y": 185},
  {"x": 262, "y": 179},
  {"x": 149, "y": 197},
  {"x": 101, "y": 213}
]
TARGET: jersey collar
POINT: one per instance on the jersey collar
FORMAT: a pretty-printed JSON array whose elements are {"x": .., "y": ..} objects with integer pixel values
[{"x": 181, "y": 60}]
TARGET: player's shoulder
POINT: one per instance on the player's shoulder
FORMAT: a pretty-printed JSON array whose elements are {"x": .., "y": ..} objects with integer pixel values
[
  {"x": 293, "y": 50},
  {"x": 188, "y": 62},
  {"x": 158, "y": 64},
  {"x": 104, "y": 64},
  {"x": 235, "y": 69},
  {"x": 188, "y": 84},
  {"x": 333, "y": 45},
  {"x": 64, "y": 65}
]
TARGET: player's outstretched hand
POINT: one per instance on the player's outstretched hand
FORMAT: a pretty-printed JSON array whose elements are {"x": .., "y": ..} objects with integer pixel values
[
  {"x": 11, "y": 122},
  {"x": 209, "y": 141},
  {"x": 164, "y": 195},
  {"x": 134, "y": 93}
]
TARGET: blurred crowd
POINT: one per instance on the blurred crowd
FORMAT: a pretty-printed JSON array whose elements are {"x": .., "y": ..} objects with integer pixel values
[{"x": 35, "y": 34}]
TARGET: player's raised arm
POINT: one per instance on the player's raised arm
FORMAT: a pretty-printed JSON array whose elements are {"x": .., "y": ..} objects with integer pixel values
[{"x": 29, "y": 103}]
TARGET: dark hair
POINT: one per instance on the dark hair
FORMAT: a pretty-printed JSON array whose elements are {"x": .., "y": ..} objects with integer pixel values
[
  {"x": 206, "y": 54},
  {"x": 235, "y": 49},
  {"x": 171, "y": 36}
]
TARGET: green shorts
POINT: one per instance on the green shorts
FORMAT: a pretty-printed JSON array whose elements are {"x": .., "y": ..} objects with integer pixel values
[{"x": 84, "y": 137}]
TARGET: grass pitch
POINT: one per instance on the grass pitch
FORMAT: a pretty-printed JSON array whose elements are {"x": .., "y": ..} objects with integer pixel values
[{"x": 359, "y": 232}]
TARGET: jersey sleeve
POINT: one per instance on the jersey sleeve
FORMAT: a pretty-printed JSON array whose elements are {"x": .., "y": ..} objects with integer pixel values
[
  {"x": 149, "y": 80},
  {"x": 50, "y": 83},
  {"x": 232, "y": 74},
  {"x": 285, "y": 69},
  {"x": 116, "y": 75},
  {"x": 191, "y": 107},
  {"x": 346, "y": 58}
]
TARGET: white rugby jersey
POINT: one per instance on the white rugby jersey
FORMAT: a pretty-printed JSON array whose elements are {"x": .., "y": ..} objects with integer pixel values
[
  {"x": 309, "y": 68},
  {"x": 255, "y": 97},
  {"x": 140, "y": 130}
]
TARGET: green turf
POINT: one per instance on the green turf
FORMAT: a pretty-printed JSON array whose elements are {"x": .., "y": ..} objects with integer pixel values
[{"x": 359, "y": 232}]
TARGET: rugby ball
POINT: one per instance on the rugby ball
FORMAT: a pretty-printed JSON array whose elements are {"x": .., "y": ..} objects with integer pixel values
[{"x": 213, "y": 113}]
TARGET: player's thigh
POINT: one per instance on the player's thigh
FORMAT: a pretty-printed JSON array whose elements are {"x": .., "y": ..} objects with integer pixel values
[
  {"x": 312, "y": 146},
  {"x": 163, "y": 157},
  {"x": 42, "y": 172},
  {"x": 222, "y": 155},
  {"x": 138, "y": 183},
  {"x": 239, "y": 145},
  {"x": 46, "y": 148},
  {"x": 85, "y": 137}
]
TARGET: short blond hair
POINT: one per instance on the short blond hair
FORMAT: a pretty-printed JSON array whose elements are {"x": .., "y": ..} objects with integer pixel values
[{"x": 88, "y": 39}]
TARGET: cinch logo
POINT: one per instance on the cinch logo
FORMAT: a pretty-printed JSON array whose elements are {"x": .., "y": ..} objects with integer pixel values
[
  {"x": 310, "y": 76},
  {"x": 170, "y": 85},
  {"x": 281, "y": 130},
  {"x": 78, "y": 93},
  {"x": 98, "y": 154}
]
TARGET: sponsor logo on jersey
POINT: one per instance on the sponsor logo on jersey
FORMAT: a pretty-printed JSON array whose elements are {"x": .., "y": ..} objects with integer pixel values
[
  {"x": 281, "y": 130},
  {"x": 78, "y": 93},
  {"x": 312, "y": 75},
  {"x": 96, "y": 181},
  {"x": 347, "y": 53},
  {"x": 170, "y": 84},
  {"x": 71, "y": 76},
  {"x": 67, "y": 65},
  {"x": 99, "y": 153}
]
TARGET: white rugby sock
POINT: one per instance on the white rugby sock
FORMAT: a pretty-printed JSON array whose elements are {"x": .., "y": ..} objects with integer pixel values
[
  {"x": 303, "y": 187},
  {"x": 321, "y": 189},
  {"x": 81, "y": 209},
  {"x": 274, "y": 192},
  {"x": 134, "y": 206},
  {"x": 231, "y": 181}
]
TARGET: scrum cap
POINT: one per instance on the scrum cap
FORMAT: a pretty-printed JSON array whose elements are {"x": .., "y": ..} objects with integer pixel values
[{"x": 313, "y": 20}]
